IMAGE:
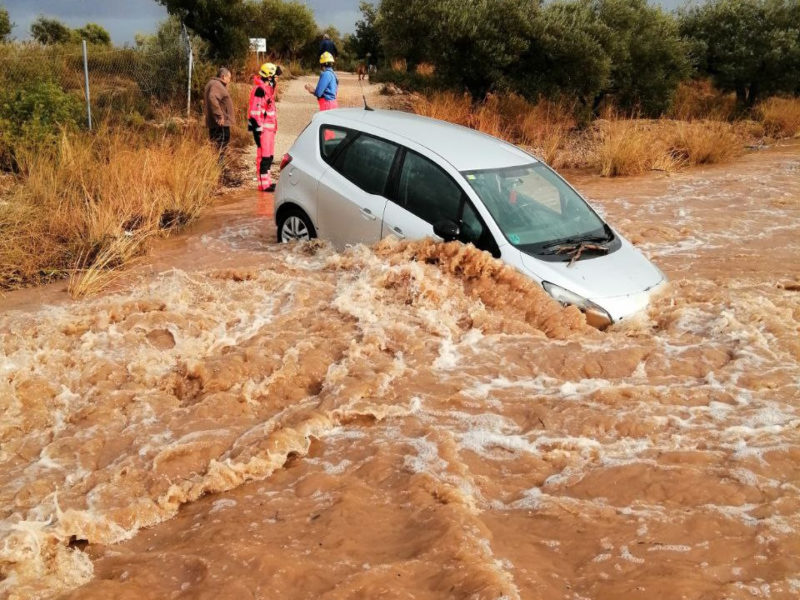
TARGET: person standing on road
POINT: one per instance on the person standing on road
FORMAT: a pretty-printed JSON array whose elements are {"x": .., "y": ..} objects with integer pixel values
[
  {"x": 327, "y": 45},
  {"x": 328, "y": 84},
  {"x": 219, "y": 108},
  {"x": 263, "y": 122}
]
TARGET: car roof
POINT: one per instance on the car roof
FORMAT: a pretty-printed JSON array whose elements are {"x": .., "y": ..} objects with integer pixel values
[{"x": 464, "y": 148}]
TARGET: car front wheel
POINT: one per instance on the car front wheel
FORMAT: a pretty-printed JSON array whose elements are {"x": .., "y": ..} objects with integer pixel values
[{"x": 294, "y": 226}]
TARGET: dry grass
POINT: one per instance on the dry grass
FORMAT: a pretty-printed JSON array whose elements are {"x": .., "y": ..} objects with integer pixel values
[
  {"x": 703, "y": 142},
  {"x": 626, "y": 147},
  {"x": 635, "y": 146},
  {"x": 92, "y": 202},
  {"x": 780, "y": 116},
  {"x": 698, "y": 99},
  {"x": 93, "y": 274},
  {"x": 425, "y": 69},
  {"x": 399, "y": 64},
  {"x": 614, "y": 145}
]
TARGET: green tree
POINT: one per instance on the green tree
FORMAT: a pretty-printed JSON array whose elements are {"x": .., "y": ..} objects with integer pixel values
[
  {"x": 473, "y": 45},
  {"x": 592, "y": 49},
  {"x": 5, "y": 25},
  {"x": 751, "y": 47},
  {"x": 165, "y": 56},
  {"x": 221, "y": 23},
  {"x": 567, "y": 54},
  {"x": 366, "y": 39},
  {"x": 288, "y": 26},
  {"x": 407, "y": 29},
  {"x": 93, "y": 34},
  {"x": 50, "y": 31},
  {"x": 648, "y": 56}
]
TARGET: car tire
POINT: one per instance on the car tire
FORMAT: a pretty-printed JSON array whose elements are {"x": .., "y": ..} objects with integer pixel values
[{"x": 295, "y": 226}]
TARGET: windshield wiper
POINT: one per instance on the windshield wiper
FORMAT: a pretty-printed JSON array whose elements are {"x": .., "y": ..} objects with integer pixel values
[
  {"x": 603, "y": 238},
  {"x": 574, "y": 247}
]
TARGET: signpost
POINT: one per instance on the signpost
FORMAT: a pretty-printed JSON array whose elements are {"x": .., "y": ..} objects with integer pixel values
[{"x": 258, "y": 45}]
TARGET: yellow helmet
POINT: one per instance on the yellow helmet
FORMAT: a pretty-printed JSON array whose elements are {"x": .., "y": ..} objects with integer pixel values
[
  {"x": 326, "y": 57},
  {"x": 269, "y": 70}
]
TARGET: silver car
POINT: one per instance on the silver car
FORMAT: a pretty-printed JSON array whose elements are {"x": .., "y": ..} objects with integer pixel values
[{"x": 355, "y": 176}]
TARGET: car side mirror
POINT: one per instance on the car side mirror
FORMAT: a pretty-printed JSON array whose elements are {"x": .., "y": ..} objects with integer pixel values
[{"x": 447, "y": 230}]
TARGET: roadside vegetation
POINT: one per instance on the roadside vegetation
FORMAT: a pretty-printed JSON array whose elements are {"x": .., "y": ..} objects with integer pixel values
[
  {"x": 618, "y": 86},
  {"x": 81, "y": 205},
  {"x": 613, "y": 144}
]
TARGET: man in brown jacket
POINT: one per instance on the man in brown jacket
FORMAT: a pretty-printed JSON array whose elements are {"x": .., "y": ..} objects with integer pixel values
[{"x": 219, "y": 108}]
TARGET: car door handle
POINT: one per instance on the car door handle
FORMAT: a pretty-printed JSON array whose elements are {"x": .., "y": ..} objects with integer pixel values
[
  {"x": 368, "y": 214},
  {"x": 398, "y": 232}
]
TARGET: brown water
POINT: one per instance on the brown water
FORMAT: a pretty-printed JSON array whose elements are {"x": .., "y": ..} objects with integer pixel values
[{"x": 413, "y": 421}]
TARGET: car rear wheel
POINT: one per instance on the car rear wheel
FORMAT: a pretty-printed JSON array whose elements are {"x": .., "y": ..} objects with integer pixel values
[{"x": 294, "y": 226}]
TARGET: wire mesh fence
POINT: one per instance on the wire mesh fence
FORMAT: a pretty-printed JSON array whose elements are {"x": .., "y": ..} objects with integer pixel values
[{"x": 120, "y": 79}]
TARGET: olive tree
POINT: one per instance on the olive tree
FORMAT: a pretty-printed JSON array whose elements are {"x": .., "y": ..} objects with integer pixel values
[
  {"x": 221, "y": 23},
  {"x": 366, "y": 40},
  {"x": 5, "y": 25},
  {"x": 472, "y": 44},
  {"x": 648, "y": 57},
  {"x": 93, "y": 34},
  {"x": 751, "y": 47},
  {"x": 289, "y": 26},
  {"x": 50, "y": 31}
]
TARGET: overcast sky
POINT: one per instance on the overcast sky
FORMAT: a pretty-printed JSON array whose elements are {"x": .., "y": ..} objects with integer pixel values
[{"x": 124, "y": 18}]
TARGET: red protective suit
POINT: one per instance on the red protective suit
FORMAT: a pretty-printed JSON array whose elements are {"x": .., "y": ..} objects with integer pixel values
[{"x": 264, "y": 122}]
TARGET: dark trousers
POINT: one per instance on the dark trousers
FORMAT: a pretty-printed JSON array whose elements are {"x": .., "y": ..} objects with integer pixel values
[{"x": 220, "y": 136}]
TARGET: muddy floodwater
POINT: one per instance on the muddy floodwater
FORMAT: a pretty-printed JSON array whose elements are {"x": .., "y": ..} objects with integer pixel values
[{"x": 411, "y": 421}]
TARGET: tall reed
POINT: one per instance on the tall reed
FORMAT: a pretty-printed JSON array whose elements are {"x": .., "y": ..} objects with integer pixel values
[{"x": 94, "y": 200}]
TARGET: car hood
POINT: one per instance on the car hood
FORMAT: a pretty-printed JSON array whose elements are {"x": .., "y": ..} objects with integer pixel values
[{"x": 621, "y": 273}]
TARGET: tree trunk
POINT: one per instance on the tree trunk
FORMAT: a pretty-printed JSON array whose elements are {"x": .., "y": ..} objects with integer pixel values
[
  {"x": 752, "y": 95},
  {"x": 741, "y": 95}
]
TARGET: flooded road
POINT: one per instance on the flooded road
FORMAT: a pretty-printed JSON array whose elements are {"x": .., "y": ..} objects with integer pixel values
[{"x": 247, "y": 420}]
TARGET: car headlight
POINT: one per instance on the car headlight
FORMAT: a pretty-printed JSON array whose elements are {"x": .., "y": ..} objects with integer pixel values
[{"x": 595, "y": 315}]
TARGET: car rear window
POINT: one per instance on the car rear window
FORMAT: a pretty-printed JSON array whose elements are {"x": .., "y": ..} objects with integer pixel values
[
  {"x": 329, "y": 140},
  {"x": 367, "y": 162}
]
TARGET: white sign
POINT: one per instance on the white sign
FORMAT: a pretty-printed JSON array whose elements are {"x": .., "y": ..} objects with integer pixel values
[{"x": 258, "y": 44}]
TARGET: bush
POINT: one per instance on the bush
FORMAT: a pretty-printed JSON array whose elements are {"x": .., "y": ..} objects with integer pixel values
[
  {"x": 32, "y": 117},
  {"x": 780, "y": 116},
  {"x": 750, "y": 47},
  {"x": 81, "y": 199},
  {"x": 698, "y": 99},
  {"x": 407, "y": 80},
  {"x": 5, "y": 25}
]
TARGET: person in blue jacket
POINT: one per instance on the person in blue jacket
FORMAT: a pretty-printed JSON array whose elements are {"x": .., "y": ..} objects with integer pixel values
[{"x": 328, "y": 84}]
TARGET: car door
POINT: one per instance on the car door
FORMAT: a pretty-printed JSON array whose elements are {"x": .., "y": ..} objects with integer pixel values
[
  {"x": 352, "y": 193},
  {"x": 422, "y": 195}
]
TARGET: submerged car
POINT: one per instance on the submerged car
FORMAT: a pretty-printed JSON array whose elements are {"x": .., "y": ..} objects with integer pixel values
[{"x": 356, "y": 176}]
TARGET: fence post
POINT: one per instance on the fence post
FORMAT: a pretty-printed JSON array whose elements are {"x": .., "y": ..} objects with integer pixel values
[
  {"x": 86, "y": 78},
  {"x": 188, "y": 40}
]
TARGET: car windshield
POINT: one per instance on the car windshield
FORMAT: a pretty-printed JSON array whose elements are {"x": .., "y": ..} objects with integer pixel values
[{"x": 534, "y": 207}]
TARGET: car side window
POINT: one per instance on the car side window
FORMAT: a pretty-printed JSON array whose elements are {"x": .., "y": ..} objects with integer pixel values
[
  {"x": 330, "y": 138},
  {"x": 473, "y": 230},
  {"x": 367, "y": 162},
  {"x": 425, "y": 190}
]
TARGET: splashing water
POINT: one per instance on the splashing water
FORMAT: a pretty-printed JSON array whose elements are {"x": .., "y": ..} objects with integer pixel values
[{"x": 418, "y": 421}]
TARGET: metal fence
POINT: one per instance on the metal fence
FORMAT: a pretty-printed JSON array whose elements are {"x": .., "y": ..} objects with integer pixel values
[{"x": 105, "y": 77}]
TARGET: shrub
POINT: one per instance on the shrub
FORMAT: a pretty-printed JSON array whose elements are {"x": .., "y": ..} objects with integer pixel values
[
  {"x": 780, "y": 116},
  {"x": 698, "y": 99},
  {"x": 750, "y": 47},
  {"x": 32, "y": 117},
  {"x": 78, "y": 200},
  {"x": 5, "y": 25},
  {"x": 703, "y": 142}
]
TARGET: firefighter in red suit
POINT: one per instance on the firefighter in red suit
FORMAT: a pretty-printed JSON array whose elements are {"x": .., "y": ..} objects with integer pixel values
[{"x": 263, "y": 122}]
